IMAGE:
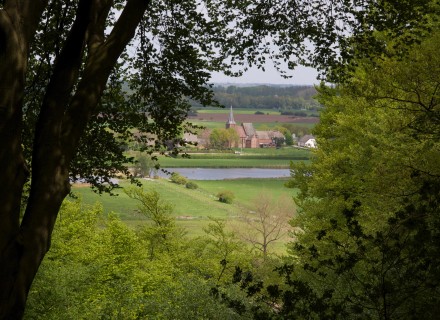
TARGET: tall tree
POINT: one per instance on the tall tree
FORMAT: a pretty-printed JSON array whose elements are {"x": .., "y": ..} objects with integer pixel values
[
  {"x": 59, "y": 122},
  {"x": 369, "y": 202},
  {"x": 221, "y": 138}
]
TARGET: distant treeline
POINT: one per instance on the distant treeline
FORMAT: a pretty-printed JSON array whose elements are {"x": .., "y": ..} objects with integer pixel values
[{"x": 267, "y": 97}]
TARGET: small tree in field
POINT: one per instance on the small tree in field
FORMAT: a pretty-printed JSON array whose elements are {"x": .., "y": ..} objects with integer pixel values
[
  {"x": 268, "y": 222},
  {"x": 162, "y": 229},
  {"x": 223, "y": 138},
  {"x": 144, "y": 166}
]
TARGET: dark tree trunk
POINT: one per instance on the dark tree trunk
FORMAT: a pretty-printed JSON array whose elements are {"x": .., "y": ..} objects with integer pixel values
[{"x": 62, "y": 121}]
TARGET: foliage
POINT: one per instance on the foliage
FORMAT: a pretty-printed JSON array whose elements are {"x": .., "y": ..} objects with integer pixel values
[
  {"x": 66, "y": 112},
  {"x": 99, "y": 268},
  {"x": 288, "y": 138},
  {"x": 177, "y": 178},
  {"x": 162, "y": 232},
  {"x": 369, "y": 202},
  {"x": 144, "y": 166},
  {"x": 223, "y": 138},
  {"x": 298, "y": 130},
  {"x": 278, "y": 142},
  {"x": 191, "y": 185},
  {"x": 226, "y": 196}
]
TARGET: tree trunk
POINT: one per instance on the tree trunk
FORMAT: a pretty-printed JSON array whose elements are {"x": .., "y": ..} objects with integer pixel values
[{"x": 61, "y": 122}]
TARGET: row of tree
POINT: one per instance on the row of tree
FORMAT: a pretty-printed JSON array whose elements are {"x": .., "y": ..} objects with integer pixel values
[{"x": 267, "y": 97}]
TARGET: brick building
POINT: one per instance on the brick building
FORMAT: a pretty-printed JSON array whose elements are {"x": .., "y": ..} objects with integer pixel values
[{"x": 251, "y": 138}]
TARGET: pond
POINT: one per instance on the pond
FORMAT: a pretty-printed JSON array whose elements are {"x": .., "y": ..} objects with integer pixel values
[{"x": 222, "y": 173}]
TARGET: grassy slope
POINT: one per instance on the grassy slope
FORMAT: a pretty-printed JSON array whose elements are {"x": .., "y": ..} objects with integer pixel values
[{"x": 192, "y": 207}]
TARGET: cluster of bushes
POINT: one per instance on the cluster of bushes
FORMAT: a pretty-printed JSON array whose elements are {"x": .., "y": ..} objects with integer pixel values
[{"x": 179, "y": 179}]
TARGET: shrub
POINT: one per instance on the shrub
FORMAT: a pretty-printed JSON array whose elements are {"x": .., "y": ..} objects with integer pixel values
[
  {"x": 191, "y": 185},
  {"x": 225, "y": 196},
  {"x": 177, "y": 178},
  {"x": 259, "y": 112}
]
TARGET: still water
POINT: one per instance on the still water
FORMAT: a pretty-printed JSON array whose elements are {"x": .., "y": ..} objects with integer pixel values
[{"x": 221, "y": 174}]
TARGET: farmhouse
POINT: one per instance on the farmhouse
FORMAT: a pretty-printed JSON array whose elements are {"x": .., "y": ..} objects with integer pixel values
[
  {"x": 251, "y": 138},
  {"x": 307, "y": 141}
]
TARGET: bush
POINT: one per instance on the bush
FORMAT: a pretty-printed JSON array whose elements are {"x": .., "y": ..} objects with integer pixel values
[
  {"x": 225, "y": 196},
  {"x": 259, "y": 112},
  {"x": 191, "y": 185},
  {"x": 179, "y": 179}
]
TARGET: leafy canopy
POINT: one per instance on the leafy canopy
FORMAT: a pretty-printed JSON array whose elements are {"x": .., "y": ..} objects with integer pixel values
[
  {"x": 369, "y": 215},
  {"x": 178, "y": 44}
]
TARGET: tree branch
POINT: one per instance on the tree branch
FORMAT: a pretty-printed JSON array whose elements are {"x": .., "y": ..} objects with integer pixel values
[{"x": 100, "y": 62}]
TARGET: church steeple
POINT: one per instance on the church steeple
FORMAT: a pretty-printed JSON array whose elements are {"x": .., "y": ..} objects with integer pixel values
[{"x": 231, "y": 122}]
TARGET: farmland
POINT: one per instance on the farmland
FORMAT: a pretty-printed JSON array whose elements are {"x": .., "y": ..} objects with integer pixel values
[
  {"x": 254, "y": 118},
  {"x": 191, "y": 207}
]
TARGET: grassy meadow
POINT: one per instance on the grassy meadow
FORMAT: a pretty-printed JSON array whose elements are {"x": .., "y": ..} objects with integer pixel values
[
  {"x": 191, "y": 207},
  {"x": 248, "y": 158}
]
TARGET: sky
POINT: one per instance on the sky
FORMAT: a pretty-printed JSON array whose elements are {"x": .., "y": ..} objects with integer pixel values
[{"x": 301, "y": 76}]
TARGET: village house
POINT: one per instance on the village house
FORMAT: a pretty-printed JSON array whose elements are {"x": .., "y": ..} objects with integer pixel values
[
  {"x": 307, "y": 141},
  {"x": 251, "y": 138}
]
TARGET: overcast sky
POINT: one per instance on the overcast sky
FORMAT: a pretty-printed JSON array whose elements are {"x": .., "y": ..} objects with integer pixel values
[{"x": 301, "y": 76}]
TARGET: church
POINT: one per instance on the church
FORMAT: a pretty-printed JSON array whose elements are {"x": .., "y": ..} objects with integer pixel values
[{"x": 251, "y": 138}]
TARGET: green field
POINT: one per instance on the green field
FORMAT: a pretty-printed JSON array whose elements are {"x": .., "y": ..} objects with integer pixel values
[
  {"x": 167, "y": 162},
  {"x": 248, "y": 158},
  {"x": 191, "y": 207},
  {"x": 208, "y": 124}
]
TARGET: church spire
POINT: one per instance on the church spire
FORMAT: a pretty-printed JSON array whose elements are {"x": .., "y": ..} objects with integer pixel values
[{"x": 231, "y": 122}]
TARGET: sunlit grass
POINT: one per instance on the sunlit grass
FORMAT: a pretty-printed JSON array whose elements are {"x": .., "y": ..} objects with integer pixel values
[
  {"x": 246, "y": 158},
  {"x": 189, "y": 205}
]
